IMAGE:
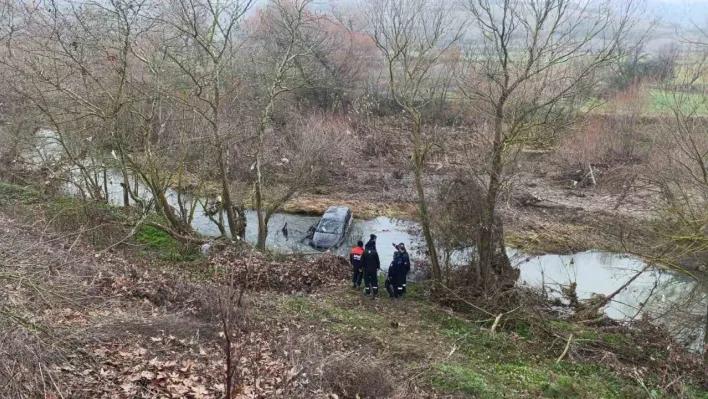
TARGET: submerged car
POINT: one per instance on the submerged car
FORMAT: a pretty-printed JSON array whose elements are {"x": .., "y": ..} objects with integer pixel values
[{"x": 333, "y": 227}]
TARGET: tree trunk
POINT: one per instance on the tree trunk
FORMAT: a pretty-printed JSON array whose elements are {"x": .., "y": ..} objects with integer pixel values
[
  {"x": 260, "y": 213},
  {"x": 126, "y": 187},
  {"x": 258, "y": 187},
  {"x": 169, "y": 213},
  {"x": 240, "y": 214},
  {"x": 418, "y": 162},
  {"x": 262, "y": 232},
  {"x": 488, "y": 241},
  {"x": 705, "y": 339},
  {"x": 231, "y": 219},
  {"x": 105, "y": 183}
]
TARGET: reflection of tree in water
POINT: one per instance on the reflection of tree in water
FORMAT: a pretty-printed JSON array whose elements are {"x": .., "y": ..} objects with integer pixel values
[
  {"x": 681, "y": 308},
  {"x": 606, "y": 258}
]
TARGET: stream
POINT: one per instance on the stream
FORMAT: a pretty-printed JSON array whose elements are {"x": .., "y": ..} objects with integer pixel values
[{"x": 657, "y": 292}]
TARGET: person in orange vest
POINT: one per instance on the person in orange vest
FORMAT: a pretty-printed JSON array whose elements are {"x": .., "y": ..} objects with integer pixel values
[{"x": 355, "y": 259}]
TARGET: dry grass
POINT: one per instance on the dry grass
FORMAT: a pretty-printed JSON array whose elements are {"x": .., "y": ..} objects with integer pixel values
[
  {"x": 350, "y": 374},
  {"x": 316, "y": 205}
]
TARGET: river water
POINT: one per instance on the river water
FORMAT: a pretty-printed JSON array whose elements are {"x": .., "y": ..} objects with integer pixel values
[{"x": 656, "y": 292}]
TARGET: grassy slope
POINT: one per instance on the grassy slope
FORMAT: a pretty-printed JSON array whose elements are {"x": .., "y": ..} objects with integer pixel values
[
  {"x": 428, "y": 350},
  {"x": 461, "y": 358}
]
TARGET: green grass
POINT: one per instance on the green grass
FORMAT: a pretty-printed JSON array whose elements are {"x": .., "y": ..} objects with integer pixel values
[
  {"x": 452, "y": 378},
  {"x": 652, "y": 102},
  {"x": 11, "y": 192},
  {"x": 563, "y": 388},
  {"x": 165, "y": 247},
  {"x": 665, "y": 102},
  {"x": 154, "y": 238}
]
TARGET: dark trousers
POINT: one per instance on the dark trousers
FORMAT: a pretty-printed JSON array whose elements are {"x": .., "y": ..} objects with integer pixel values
[
  {"x": 358, "y": 274},
  {"x": 404, "y": 278},
  {"x": 372, "y": 282},
  {"x": 394, "y": 290}
]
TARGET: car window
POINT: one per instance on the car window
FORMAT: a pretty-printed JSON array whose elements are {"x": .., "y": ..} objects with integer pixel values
[{"x": 328, "y": 226}]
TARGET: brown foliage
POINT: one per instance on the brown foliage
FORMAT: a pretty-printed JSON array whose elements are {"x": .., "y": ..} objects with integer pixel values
[
  {"x": 296, "y": 274},
  {"x": 351, "y": 375}
]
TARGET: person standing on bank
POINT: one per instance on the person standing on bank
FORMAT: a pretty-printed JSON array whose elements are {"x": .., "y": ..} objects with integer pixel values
[
  {"x": 371, "y": 264},
  {"x": 406, "y": 261},
  {"x": 393, "y": 280},
  {"x": 355, "y": 259}
]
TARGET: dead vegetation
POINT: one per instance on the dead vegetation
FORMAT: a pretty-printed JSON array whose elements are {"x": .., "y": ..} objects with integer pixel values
[
  {"x": 296, "y": 274},
  {"x": 84, "y": 324},
  {"x": 81, "y": 322}
]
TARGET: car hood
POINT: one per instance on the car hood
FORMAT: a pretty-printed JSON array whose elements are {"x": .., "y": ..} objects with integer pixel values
[{"x": 325, "y": 240}]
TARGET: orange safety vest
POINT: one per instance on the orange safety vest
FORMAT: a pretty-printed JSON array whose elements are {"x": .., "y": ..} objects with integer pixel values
[{"x": 355, "y": 255}]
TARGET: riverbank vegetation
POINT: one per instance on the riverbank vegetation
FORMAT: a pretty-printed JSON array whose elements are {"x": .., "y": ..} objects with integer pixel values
[
  {"x": 545, "y": 125},
  {"x": 92, "y": 321}
]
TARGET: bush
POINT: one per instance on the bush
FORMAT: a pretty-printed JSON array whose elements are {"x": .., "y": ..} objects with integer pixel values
[
  {"x": 99, "y": 224},
  {"x": 350, "y": 376}
]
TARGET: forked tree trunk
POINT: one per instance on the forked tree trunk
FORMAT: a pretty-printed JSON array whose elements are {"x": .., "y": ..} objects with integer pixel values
[{"x": 418, "y": 163}]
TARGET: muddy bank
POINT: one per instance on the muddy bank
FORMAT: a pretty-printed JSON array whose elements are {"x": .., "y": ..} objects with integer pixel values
[
  {"x": 543, "y": 211},
  {"x": 363, "y": 209},
  {"x": 536, "y": 231}
]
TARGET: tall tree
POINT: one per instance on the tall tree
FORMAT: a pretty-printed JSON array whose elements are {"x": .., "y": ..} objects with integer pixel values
[
  {"x": 680, "y": 170},
  {"x": 528, "y": 66},
  {"x": 205, "y": 41},
  {"x": 413, "y": 37},
  {"x": 282, "y": 42}
]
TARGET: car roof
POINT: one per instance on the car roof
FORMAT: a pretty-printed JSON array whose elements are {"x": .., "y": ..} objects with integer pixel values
[{"x": 336, "y": 213}]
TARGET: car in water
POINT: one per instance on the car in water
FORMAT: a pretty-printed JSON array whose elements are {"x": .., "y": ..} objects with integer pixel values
[{"x": 333, "y": 227}]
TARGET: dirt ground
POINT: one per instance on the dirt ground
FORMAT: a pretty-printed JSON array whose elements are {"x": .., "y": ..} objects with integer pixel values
[{"x": 545, "y": 213}]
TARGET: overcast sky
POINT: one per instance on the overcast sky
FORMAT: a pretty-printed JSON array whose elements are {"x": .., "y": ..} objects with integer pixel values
[{"x": 674, "y": 12}]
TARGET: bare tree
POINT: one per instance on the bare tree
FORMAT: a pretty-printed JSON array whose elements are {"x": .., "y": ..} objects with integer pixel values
[
  {"x": 526, "y": 69},
  {"x": 204, "y": 42},
  {"x": 414, "y": 37},
  {"x": 17, "y": 117},
  {"x": 680, "y": 170},
  {"x": 73, "y": 65},
  {"x": 284, "y": 24}
]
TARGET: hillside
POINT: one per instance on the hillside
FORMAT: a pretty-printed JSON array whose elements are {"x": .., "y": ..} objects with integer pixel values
[{"x": 84, "y": 322}]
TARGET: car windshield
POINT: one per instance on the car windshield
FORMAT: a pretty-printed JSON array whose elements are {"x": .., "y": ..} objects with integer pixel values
[{"x": 328, "y": 226}]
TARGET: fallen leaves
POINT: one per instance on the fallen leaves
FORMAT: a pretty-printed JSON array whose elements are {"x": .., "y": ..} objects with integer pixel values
[
  {"x": 166, "y": 367},
  {"x": 292, "y": 275}
]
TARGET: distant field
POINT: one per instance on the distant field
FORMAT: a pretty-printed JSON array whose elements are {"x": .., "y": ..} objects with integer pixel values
[
  {"x": 661, "y": 101},
  {"x": 653, "y": 102},
  {"x": 696, "y": 69}
]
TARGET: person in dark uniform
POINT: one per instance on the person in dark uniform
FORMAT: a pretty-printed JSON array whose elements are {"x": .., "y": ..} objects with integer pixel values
[
  {"x": 355, "y": 259},
  {"x": 406, "y": 260},
  {"x": 371, "y": 264},
  {"x": 393, "y": 280}
]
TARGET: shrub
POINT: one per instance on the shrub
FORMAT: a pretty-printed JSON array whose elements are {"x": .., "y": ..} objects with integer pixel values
[{"x": 350, "y": 376}]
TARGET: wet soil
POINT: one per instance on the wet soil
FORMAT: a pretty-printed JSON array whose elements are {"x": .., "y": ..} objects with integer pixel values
[{"x": 545, "y": 212}]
